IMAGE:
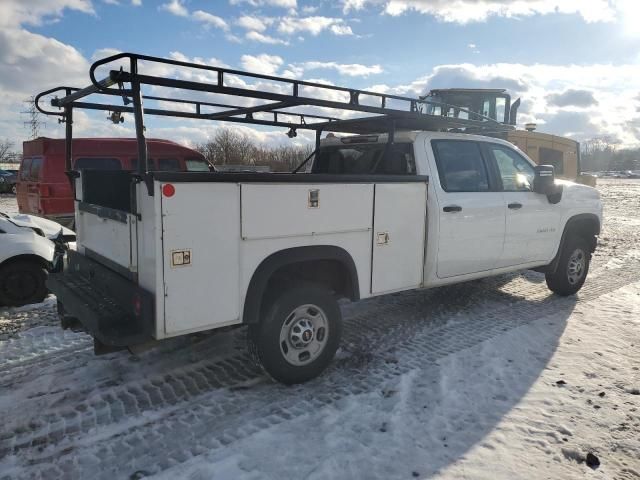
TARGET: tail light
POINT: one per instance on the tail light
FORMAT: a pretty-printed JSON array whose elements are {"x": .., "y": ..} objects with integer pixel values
[
  {"x": 45, "y": 191},
  {"x": 137, "y": 304}
]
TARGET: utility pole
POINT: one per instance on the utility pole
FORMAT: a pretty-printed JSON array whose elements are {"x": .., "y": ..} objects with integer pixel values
[{"x": 33, "y": 122}]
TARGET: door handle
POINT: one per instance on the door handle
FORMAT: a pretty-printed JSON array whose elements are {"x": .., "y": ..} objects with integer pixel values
[
  {"x": 515, "y": 206},
  {"x": 452, "y": 208}
]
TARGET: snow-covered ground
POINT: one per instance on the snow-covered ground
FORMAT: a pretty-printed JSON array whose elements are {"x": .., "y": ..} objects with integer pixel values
[
  {"x": 492, "y": 379},
  {"x": 8, "y": 203}
]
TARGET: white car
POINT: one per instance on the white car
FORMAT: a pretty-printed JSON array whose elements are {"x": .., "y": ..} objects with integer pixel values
[{"x": 27, "y": 254}]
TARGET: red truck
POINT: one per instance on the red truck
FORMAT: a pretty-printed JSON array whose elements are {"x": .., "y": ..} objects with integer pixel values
[{"x": 43, "y": 189}]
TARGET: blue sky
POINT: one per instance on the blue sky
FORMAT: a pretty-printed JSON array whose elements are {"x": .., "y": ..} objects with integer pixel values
[{"x": 542, "y": 50}]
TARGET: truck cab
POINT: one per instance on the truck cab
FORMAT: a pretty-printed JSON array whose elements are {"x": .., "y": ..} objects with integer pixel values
[{"x": 484, "y": 215}]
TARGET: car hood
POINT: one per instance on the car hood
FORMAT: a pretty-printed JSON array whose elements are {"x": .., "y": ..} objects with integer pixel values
[
  {"x": 579, "y": 191},
  {"x": 50, "y": 228}
]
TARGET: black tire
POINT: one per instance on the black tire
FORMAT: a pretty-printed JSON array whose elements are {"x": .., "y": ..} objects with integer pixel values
[
  {"x": 22, "y": 282},
  {"x": 565, "y": 281},
  {"x": 14, "y": 190},
  {"x": 265, "y": 337}
]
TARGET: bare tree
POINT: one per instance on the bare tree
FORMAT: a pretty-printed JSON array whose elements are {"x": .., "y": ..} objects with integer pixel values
[
  {"x": 6, "y": 150},
  {"x": 228, "y": 147}
]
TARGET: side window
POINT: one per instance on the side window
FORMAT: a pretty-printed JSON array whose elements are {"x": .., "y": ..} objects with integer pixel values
[
  {"x": 25, "y": 168},
  {"x": 152, "y": 164},
  {"x": 196, "y": 165},
  {"x": 97, "y": 163},
  {"x": 516, "y": 172},
  {"x": 460, "y": 166},
  {"x": 36, "y": 165},
  {"x": 168, "y": 164}
]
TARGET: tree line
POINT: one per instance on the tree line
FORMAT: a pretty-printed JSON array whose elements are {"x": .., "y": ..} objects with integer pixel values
[
  {"x": 601, "y": 154},
  {"x": 229, "y": 147},
  {"x": 8, "y": 154}
]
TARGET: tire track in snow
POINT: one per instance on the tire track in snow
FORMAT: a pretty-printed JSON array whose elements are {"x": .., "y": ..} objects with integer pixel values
[
  {"x": 163, "y": 438},
  {"x": 169, "y": 388}
]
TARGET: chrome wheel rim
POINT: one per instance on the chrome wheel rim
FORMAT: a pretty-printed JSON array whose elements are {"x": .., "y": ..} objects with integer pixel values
[
  {"x": 576, "y": 266},
  {"x": 304, "y": 335}
]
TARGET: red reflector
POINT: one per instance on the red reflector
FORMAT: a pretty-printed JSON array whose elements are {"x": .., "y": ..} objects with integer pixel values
[
  {"x": 137, "y": 305},
  {"x": 168, "y": 190}
]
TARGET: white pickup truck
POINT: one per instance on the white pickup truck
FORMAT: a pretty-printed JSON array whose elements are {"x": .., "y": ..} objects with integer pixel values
[{"x": 188, "y": 252}]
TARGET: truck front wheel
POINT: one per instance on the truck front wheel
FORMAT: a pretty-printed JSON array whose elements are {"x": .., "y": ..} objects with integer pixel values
[
  {"x": 22, "y": 282},
  {"x": 299, "y": 334},
  {"x": 573, "y": 267}
]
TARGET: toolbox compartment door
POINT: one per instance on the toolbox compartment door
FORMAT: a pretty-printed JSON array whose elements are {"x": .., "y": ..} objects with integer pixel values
[{"x": 200, "y": 243}]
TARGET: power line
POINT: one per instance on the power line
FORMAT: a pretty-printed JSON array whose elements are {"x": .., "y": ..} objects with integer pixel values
[{"x": 33, "y": 122}]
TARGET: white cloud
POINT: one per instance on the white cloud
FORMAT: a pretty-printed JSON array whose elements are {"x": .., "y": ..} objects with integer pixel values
[
  {"x": 313, "y": 25},
  {"x": 349, "y": 5},
  {"x": 34, "y": 12},
  {"x": 210, "y": 19},
  {"x": 30, "y": 62},
  {"x": 572, "y": 98},
  {"x": 341, "y": 29},
  {"x": 266, "y": 64},
  {"x": 175, "y": 7},
  {"x": 135, "y": 3},
  {"x": 350, "y": 69},
  {"x": 270, "y": 3},
  {"x": 467, "y": 11},
  {"x": 257, "y": 24},
  {"x": 104, "y": 52},
  {"x": 262, "y": 38},
  {"x": 612, "y": 88}
]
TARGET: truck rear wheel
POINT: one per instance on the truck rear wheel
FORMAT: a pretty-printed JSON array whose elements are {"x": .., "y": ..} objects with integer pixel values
[
  {"x": 299, "y": 334},
  {"x": 573, "y": 267},
  {"x": 22, "y": 282}
]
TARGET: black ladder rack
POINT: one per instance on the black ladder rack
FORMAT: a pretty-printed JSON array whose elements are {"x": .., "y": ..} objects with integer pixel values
[{"x": 274, "y": 101}]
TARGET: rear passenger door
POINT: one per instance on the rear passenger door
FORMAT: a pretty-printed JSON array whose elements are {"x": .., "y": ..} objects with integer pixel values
[
  {"x": 470, "y": 209},
  {"x": 532, "y": 223}
]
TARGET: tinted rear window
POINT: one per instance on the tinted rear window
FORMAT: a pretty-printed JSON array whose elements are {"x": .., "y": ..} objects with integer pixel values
[
  {"x": 168, "y": 164},
  {"x": 362, "y": 159},
  {"x": 98, "y": 163}
]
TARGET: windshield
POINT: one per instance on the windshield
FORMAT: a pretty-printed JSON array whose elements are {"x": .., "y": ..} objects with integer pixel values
[{"x": 491, "y": 105}]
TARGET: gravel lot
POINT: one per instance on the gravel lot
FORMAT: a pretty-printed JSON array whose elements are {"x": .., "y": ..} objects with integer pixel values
[{"x": 491, "y": 379}]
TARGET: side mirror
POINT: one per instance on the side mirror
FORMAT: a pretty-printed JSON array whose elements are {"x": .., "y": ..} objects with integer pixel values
[
  {"x": 544, "y": 182},
  {"x": 544, "y": 179}
]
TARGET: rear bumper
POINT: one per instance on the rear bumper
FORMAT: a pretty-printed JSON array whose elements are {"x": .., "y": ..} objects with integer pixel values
[{"x": 112, "y": 308}]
